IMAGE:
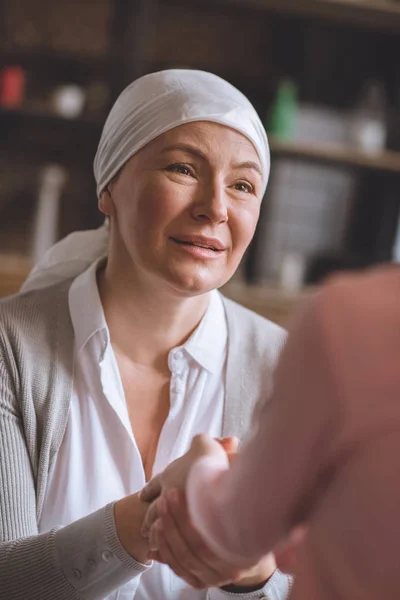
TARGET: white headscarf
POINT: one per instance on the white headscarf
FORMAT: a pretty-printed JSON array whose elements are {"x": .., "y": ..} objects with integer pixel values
[{"x": 147, "y": 108}]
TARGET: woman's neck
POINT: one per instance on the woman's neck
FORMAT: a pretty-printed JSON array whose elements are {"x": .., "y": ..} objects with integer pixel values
[{"x": 145, "y": 324}]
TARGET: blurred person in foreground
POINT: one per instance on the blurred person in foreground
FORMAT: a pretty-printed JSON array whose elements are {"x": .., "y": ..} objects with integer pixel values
[
  {"x": 119, "y": 350},
  {"x": 324, "y": 462}
]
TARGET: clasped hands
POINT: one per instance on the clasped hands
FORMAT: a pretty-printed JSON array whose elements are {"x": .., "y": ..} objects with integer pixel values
[{"x": 173, "y": 538}]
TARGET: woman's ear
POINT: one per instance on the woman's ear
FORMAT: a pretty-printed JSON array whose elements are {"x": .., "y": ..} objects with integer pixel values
[{"x": 106, "y": 204}]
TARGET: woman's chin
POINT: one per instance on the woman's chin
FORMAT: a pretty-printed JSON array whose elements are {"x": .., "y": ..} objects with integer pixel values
[{"x": 194, "y": 284}]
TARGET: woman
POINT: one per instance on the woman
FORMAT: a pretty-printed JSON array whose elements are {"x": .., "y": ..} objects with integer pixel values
[
  {"x": 326, "y": 454},
  {"x": 120, "y": 350}
]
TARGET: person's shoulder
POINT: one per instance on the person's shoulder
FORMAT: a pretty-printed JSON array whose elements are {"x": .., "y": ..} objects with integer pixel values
[{"x": 25, "y": 309}]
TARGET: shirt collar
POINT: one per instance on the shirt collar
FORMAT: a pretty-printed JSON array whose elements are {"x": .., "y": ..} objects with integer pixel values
[
  {"x": 85, "y": 306},
  {"x": 207, "y": 344}
]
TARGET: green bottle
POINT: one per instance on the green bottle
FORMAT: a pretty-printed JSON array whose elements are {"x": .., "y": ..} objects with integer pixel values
[{"x": 281, "y": 120}]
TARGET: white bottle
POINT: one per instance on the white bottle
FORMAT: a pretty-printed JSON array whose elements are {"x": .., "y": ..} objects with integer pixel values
[{"x": 368, "y": 130}]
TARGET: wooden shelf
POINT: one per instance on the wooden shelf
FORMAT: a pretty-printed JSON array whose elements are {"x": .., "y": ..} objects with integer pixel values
[
  {"x": 385, "y": 161},
  {"x": 47, "y": 117},
  {"x": 87, "y": 130},
  {"x": 48, "y": 137},
  {"x": 373, "y": 14},
  {"x": 47, "y": 58}
]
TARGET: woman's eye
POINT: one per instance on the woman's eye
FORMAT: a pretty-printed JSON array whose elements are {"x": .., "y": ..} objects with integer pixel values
[
  {"x": 242, "y": 186},
  {"x": 180, "y": 168}
]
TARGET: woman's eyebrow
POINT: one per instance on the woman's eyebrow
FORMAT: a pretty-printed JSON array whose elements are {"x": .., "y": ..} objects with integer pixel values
[
  {"x": 248, "y": 165},
  {"x": 185, "y": 148},
  {"x": 196, "y": 152}
]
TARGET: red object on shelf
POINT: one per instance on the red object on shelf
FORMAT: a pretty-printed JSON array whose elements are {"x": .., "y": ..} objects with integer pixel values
[{"x": 12, "y": 87}]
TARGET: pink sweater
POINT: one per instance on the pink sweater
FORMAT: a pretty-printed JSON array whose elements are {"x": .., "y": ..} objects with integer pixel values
[{"x": 326, "y": 450}]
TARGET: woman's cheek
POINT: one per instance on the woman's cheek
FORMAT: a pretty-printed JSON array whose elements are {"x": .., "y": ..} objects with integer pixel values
[{"x": 243, "y": 227}]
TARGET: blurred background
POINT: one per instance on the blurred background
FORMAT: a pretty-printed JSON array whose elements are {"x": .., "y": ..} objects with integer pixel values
[{"x": 324, "y": 76}]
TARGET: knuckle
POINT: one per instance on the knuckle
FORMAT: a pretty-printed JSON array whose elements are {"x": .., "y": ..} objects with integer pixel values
[
  {"x": 199, "y": 441},
  {"x": 227, "y": 572}
]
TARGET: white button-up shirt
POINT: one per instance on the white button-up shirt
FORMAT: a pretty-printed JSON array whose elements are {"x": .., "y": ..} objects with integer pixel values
[{"x": 98, "y": 461}]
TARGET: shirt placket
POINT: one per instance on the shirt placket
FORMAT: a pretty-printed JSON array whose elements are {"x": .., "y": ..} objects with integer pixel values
[
  {"x": 178, "y": 365},
  {"x": 114, "y": 394}
]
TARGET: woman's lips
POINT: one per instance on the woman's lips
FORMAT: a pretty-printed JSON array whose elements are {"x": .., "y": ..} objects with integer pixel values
[
  {"x": 199, "y": 249},
  {"x": 202, "y": 241}
]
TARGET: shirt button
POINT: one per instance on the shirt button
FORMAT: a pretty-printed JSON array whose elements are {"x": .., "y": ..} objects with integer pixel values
[
  {"x": 106, "y": 556},
  {"x": 76, "y": 573},
  {"x": 178, "y": 356}
]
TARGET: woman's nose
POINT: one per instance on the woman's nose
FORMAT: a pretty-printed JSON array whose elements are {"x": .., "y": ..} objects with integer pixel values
[{"x": 211, "y": 205}]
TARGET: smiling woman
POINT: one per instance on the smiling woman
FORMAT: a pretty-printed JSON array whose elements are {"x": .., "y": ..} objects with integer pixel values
[
  {"x": 139, "y": 352},
  {"x": 184, "y": 208}
]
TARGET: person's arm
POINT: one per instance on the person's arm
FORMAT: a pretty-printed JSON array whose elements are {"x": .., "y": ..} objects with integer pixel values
[
  {"x": 182, "y": 548},
  {"x": 82, "y": 561},
  {"x": 242, "y": 512}
]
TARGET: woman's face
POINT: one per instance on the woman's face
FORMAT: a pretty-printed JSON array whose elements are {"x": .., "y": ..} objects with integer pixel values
[{"x": 184, "y": 208}]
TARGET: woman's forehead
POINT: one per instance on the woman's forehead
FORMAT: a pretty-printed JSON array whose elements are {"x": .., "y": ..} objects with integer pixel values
[
  {"x": 206, "y": 136},
  {"x": 159, "y": 102}
]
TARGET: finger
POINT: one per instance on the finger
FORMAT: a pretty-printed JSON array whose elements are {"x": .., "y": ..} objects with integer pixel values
[
  {"x": 210, "y": 564},
  {"x": 231, "y": 447},
  {"x": 152, "y": 515},
  {"x": 229, "y": 444},
  {"x": 286, "y": 558},
  {"x": 154, "y": 555},
  {"x": 190, "y": 564},
  {"x": 152, "y": 490},
  {"x": 154, "y": 535},
  {"x": 158, "y": 539},
  {"x": 232, "y": 456}
]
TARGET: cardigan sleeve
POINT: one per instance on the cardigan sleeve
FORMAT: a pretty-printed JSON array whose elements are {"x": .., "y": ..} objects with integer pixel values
[
  {"x": 82, "y": 561},
  {"x": 277, "y": 587}
]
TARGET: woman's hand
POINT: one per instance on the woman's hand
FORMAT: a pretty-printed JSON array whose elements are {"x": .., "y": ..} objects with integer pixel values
[
  {"x": 175, "y": 475},
  {"x": 174, "y": 541},
  {"x": 129, "y": 515},
  {"x": 173, "y": 538},
  {"x": 287, "y": 556}
]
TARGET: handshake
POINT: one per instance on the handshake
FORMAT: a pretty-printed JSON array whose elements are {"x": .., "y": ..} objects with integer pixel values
[{"x": 169, "y": 536}]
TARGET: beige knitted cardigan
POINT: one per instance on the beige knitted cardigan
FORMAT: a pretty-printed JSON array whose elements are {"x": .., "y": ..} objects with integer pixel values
[{"x": 83, "y": 560}]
